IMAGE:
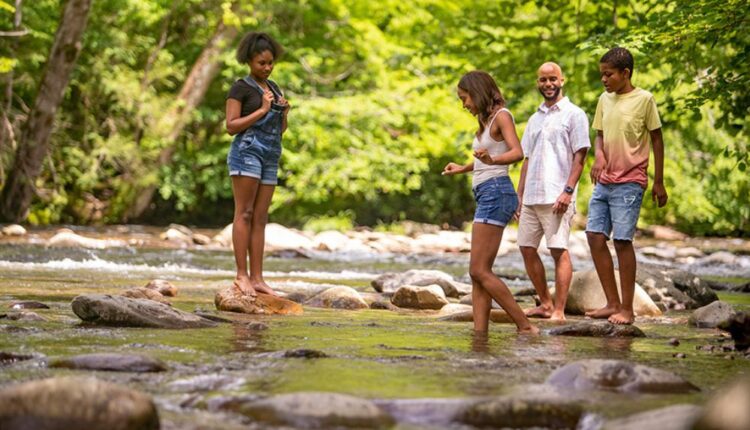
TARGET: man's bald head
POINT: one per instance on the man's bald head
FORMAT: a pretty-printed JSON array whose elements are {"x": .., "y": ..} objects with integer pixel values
[{"x": 550, "y": 81}]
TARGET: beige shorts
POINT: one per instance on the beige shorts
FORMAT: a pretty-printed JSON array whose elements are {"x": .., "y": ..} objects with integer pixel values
[{"x": 538, "y": 220}]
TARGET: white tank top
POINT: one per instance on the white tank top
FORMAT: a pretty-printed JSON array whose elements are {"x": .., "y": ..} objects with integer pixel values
[{"x": 484, "y": 172}]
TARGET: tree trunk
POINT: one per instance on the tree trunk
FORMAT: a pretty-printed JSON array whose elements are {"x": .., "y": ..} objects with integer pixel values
[
  {"x": 191, "y": 95},
  {"x": 33, "y": 141}
]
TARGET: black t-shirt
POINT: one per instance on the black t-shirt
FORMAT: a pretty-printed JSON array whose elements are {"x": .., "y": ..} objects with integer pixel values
[{"x": 249, "y": 97}]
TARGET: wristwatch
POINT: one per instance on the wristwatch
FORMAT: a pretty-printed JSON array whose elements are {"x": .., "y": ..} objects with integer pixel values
[{"x": 568, "y": 189}]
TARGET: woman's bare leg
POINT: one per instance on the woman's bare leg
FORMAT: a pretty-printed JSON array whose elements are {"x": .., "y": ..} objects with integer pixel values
[
  {"x": 258, "y": 238},
  {"x": 244, "y": 190}
]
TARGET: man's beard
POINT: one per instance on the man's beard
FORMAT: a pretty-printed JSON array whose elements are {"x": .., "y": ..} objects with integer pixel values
[{"x": 554, "y": 95}]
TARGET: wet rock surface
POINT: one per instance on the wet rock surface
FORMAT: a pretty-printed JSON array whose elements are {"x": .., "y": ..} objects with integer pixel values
[
  {"x": 338, "y": 298},
  {"x": 111, "y": 362},
  {"x": 712, "y": 315},
  {"x": 524, "y": 412},
  {"x": 75, "y": 403},
  {"x": 617, "y": 375},
  {"x": 232, "y": 300},
  {"x": 597, "y": 329},
  {"x": 104, "y": 309}
]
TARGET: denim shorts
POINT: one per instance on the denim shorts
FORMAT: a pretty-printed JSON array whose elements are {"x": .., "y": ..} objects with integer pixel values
[
  {"x": 614, "y": 210},
  {"x": 496, "y": 201},
  {"x": 255, "y": 156}
]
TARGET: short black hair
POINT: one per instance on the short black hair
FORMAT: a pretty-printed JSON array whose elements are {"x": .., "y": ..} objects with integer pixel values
[
  {"x": 254, "y": 43},
  {"x": 619, "y": 58}
]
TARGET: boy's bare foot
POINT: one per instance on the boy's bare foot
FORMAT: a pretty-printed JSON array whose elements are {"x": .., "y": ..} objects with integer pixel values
[
  {"x": 261, "y": 287},
  {"x": 622, "y": 317},
  {"x": 244, "y": 286},
  {"x": 557, "y": 316},
  {"x": 602, "y": 313},
  {"x": 539, "y": 312},
  {"x": 532, "y": 330}
]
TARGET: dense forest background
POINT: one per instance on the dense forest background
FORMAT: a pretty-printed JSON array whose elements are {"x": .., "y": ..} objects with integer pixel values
[{"x": 113, "y": 110}]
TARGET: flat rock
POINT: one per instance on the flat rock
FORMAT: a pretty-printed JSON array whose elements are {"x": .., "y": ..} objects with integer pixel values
[
  {"x": 320, "y": 410},
  {"x": 414, "y": 297},
  {"x": 75, "y": 403},
  {"x": 711, "y": 315},
  {"x": 677, "y": 417},
  {"x": 232, "y": 300},
  {"x": 13, "y": 230},
  {"x": 617, "y": 375},
  {"x": 67, "y": 238},
  {"x": 165, "y": 288},
  {"x": 390, "y": 282},
  {"x": 118, "y": 311},
  {"x": 524, "y": 412},
  {"x": 341, "y": 297},
  {"x": 28, "y": 305},
  {"x": 586, "y": 294},
  {"x": 597, "y": 329},
  {"x": 111, "y": 362}
]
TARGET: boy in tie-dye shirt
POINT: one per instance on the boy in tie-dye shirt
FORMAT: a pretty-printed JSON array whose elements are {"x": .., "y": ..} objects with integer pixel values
[{"x": 626, "y": 119}]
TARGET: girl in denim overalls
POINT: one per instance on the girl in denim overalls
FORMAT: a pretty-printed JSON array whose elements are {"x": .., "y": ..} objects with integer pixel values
[
  {"x": 256, "y": 115},
  {"x": 495, "y": 147}
]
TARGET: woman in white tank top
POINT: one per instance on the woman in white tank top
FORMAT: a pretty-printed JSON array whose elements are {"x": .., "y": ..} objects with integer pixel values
[{"x": 495, "y": 147}]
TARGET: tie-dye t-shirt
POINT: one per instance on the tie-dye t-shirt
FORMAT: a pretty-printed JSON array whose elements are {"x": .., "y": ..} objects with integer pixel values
[{"x": 625, "y": 120}]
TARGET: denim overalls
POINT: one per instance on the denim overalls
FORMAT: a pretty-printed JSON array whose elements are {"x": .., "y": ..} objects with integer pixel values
[{"x": 255, "y": 152}]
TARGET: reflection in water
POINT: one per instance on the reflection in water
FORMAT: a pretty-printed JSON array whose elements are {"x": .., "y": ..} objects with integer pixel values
[
  {"x": 248, "y": 337},
  {"x": 480, "y": 342}
]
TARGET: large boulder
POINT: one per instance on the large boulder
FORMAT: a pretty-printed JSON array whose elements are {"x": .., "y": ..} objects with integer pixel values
[
  {"x": 728, "y": 409},
  {"x": 338, "y": 242},
  {"x": 429, "y": 297},
  {"x": 617, "y": 375},
  {"x": 280, "y": 237},
  {"x": 75, "y": 403},
  {"x": 318, "y": 410},
  {"x": 597, "y": 329},
  {"x": 390, "y": 282},
  {"x": 676, "y": 417},
  {"x": 13, "y": 230},
  {"x": 524, "y": 412},
  {"x": 341, "y": 297},
  {"x": 586, "y": 294},
  {"x": 111, "y": 362},
  {"x": 118, "y": 311},
  {"x": 674, "y": 288},
  {"x": 232, "y": 300},
  {"x": 710, "y": 316}
]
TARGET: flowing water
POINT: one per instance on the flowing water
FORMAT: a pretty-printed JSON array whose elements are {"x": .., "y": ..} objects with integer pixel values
[{"x": 375, "y": 354}]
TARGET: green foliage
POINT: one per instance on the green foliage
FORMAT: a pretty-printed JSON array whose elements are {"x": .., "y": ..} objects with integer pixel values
[{"x": 375, "y": 117}]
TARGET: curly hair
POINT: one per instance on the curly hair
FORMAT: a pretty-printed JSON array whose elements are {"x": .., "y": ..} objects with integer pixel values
[{"x": 254, "y": 43}]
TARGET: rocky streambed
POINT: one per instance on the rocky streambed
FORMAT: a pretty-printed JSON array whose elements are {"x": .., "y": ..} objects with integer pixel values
[{"x": 372, "y": 340}]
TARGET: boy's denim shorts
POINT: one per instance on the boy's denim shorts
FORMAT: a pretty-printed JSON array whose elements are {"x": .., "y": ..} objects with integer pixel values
[
  {"x": 254, "y": 157},
  {"x": 496, "y": 201},
  {"x": 614, "y": 210}
]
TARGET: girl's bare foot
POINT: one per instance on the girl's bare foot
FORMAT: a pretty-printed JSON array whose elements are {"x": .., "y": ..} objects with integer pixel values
[
  {"x": 261, "y": 287},
  {"x": 602, "y": 313},
  {"x": 557, "y": 316},
  {"x": 244, "y": 286},
  {"x": 622, "y": 317},
  {"x": 539, "y": 312},
  {"x": 532, "y": 329}
]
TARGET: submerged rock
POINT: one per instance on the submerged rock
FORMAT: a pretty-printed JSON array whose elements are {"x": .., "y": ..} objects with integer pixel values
[
  {"x": 728, "y": 409},
  {"x": 119, "y": 311},
  {"x": 11, "y": 357},
  {"x": 165, "y": 288},
  {"x": 341, "y": 297},
  {"x": 711, "y": 315},
  {"x": 586, "y": 294},
  {"x": 25, "y": 316},
  {"x": 146, "y": 294},
  {"x": 617, "y": 375},
  {"x": 75, "y": 403},
  {"x": 111, "y": 362},
  {"x": 413, "y": 297},
  {"x": 304, "y": 353},
  {"x": 676, "y": 417},
  {"x": 28, "y": 305},
  {"x": 232, "y": 300},
  {"x": 524, "y": 412},
  {"x": 739, "y": 327},
  {"x": 315, "y": 410},
  {"x": 390, "y": 282},
  {"x": 463, "y": 313},
  {"x": 597, "y": 329}
]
